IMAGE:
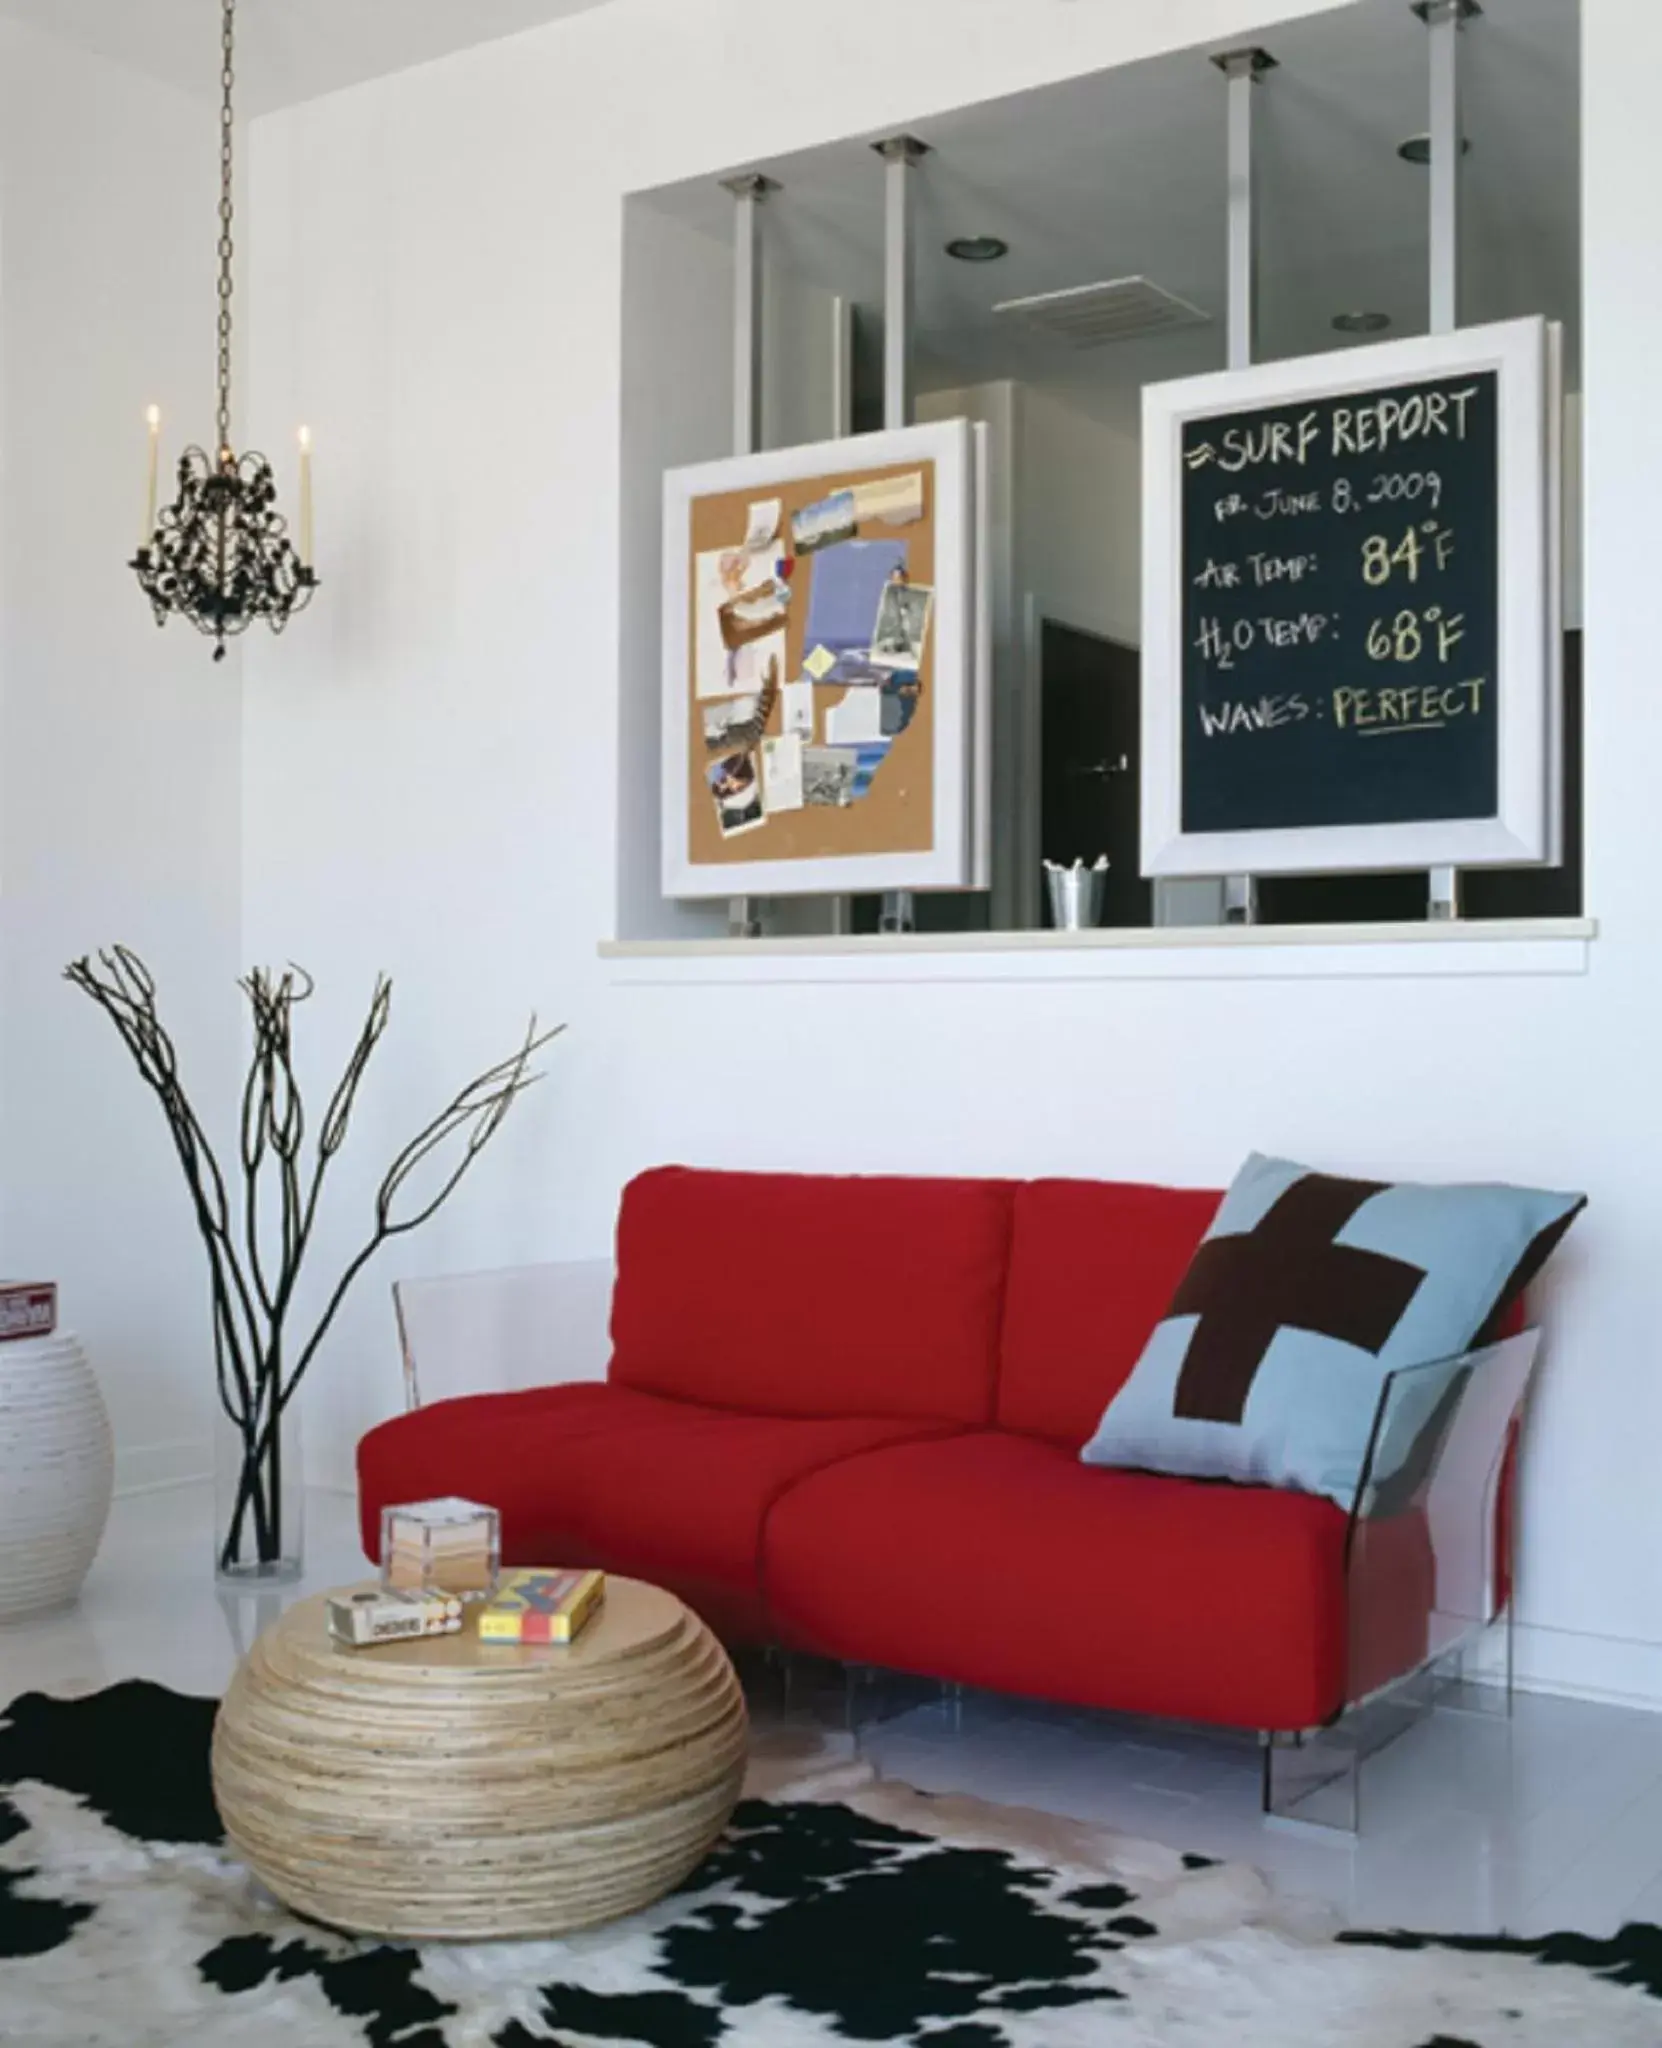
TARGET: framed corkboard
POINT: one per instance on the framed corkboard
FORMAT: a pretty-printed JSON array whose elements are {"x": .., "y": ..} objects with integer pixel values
[{"x": 824, "y": 668}]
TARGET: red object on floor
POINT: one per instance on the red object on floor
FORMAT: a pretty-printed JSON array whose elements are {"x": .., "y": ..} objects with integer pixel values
[{"x": 845, "y": 1414}]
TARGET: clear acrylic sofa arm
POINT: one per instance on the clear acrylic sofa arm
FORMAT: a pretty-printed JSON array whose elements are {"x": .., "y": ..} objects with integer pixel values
[
  {"x": 1428, "y": 1556},
  {"x": 495, "y": 1332}
]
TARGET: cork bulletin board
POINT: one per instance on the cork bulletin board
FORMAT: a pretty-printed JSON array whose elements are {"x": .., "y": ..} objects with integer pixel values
[{"x": 822, "y": 668}]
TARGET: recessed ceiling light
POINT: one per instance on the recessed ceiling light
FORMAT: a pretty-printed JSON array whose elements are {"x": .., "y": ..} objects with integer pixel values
[
  {"x": 1417, "y": 149},
  {"x": 1361, "y": 323},
  {"x": 977, "y": 249}
]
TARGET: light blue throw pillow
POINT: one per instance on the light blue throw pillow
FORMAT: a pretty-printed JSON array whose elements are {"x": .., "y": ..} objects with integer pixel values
[{"x": 1305, "y": 1294}]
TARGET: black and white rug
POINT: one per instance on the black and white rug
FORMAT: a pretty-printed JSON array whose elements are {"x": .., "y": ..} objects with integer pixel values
[{"x": 838, "y": 1910}]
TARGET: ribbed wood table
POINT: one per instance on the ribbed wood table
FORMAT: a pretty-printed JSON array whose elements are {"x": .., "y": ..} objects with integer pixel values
[{"x": 448, "y": 1789}]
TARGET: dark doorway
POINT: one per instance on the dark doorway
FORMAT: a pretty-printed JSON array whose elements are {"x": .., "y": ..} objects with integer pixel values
[{"x": 1091, "y": 764}]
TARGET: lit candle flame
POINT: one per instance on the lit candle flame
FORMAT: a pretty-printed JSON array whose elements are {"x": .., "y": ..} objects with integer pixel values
[
  {"x": 306, "y": 496},
  {"x": 153, "y": 418}
]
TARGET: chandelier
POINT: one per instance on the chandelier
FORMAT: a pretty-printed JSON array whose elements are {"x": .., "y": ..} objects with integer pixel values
[{"x": 220, "y": 554}]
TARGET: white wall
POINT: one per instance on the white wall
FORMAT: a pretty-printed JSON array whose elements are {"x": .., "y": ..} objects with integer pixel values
[
  {"x": 119, "y": 745},
  {"x": 429, "y": 761}
]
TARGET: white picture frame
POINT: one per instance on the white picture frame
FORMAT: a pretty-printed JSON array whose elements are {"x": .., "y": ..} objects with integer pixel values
[
  {"x": 956, "y": 857},
  {"x": 1526, "y": 829}
]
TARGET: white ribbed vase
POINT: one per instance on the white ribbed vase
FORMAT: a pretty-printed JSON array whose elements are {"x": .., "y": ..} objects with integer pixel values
[{"x": 57, "y": 1469}]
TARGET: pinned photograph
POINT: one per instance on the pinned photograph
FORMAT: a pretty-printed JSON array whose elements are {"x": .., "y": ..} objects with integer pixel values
[
  {"x": 730, "y": 723},
  {"x": 782, "y": 774},
  {"x": 818, "y": 526},
  {"x": 894, "y": 501},
  {"x": 798, "y": 714},
  {"x": 902, "y": 625},
  {"x": 755, "y": 613},
  {"x": 828, "y": 776},
  {"x": 737, "y": 789},
  {"x": 901, "y": 691}
]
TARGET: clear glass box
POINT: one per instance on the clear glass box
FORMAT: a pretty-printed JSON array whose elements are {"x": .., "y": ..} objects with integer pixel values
[{"x": 441, "y": 1546}]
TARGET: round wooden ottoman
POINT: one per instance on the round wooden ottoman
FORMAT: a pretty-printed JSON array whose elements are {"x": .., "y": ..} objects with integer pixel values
[{"x": 448, "y": 1789}]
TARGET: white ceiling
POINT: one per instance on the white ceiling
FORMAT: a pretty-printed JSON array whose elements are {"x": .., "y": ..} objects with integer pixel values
[
  {"x": 1123, "y": 173},
  {"x": 287, "y": 50}
]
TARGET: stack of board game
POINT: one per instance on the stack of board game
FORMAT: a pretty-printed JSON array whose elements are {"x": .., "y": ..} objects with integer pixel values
[
  {"x": 440, "y": 1546},
  {"x": 541, "y": 1606}
]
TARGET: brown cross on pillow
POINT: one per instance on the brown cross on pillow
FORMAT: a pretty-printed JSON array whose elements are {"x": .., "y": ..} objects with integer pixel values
[{"x": 1286, "y": 1272}]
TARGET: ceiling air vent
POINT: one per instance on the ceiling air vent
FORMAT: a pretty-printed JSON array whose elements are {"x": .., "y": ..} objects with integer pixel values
[{"x": 1087, "y": 315}]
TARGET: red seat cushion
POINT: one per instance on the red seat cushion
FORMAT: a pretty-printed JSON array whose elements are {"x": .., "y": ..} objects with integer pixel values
[
  {"x": 805, "y": 1294},
  {"x": 602, "y": 1475},
  {"x": 1093, "y": 1266},
  {"x": 1001, "y": 1561}
]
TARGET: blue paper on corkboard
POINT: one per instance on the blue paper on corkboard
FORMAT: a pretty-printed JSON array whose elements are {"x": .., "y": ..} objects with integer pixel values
[{"x": 848, "y": 582}]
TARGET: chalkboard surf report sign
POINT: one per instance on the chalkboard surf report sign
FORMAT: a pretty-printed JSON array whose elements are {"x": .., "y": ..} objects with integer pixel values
[{"x": 1351, "y": 621}]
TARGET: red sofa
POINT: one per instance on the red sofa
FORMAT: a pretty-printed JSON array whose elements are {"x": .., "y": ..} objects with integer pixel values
[{"x": 844, "y": 1415}]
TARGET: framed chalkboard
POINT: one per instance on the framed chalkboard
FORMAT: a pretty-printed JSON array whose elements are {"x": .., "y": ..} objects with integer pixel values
[{"x": 1350, "y": 567}]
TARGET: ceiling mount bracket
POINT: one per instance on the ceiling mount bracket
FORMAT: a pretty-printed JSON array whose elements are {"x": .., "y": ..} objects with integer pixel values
[
  {"x": 1430, "y": 11},
  {"x": 751, "y": 185},
  {"x": 1253, "y": 60},
  {"x": 901, "y": 149}
]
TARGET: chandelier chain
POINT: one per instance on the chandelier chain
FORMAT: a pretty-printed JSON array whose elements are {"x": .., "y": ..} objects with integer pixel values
[
  {"x": 227, "y": 248},
  {"x": 220, "y": 555}
]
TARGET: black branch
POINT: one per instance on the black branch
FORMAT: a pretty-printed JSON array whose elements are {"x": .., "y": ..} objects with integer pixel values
[{"x": 256, "y": 1245}]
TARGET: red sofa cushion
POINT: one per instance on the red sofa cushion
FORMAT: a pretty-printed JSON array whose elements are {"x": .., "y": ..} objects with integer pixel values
[
  {"x": 1001, "y": 1561},
  {"x": 1093, "y": 1266},
  {"x": 809, "y": 1294},
  {"x": 602, "y": 1475}
]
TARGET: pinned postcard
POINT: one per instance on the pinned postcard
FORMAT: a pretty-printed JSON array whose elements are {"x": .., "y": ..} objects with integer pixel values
[
  {"x": 823, "y": 525},
  {"x": 820, "y": 664},
  {"x": 856, "y": 720},
  {"x": 754, "y": 613},
  {"x": 737, "y": 789},
  {"x": 763, "y": 526},
  {"x": 902, "y": 629},
  {"x": 798, "y": 714},
  {"x": 782, "y": 773},
  {"x": 894, "y": 501}
]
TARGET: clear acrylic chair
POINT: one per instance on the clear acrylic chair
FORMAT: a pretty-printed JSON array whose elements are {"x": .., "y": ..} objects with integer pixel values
[
  {"x": 494, "y": 1332},
  {"x": 1435, "y": 1505}
]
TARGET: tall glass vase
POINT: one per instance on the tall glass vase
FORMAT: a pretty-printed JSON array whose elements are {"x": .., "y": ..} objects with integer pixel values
[{"x": 259, "y": 1538}]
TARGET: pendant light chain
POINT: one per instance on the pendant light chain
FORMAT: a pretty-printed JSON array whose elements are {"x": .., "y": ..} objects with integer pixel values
[{"x": 227, "y": 248}]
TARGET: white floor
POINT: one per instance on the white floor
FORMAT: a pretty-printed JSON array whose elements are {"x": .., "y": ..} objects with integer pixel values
[{"x": 1469, "y": 1825}]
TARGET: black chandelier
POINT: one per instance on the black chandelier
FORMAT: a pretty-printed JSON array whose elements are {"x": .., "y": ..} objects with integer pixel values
[{"x": 220, "y": 554}]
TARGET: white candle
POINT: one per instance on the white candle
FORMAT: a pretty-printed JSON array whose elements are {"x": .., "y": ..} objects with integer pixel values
[
  {"x": 306, "y": 496},
  {"x": 154, "y": 417}
]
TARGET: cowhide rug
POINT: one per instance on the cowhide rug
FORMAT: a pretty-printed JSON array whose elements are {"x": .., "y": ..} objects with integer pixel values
[{"x": 838, "y": 1910}]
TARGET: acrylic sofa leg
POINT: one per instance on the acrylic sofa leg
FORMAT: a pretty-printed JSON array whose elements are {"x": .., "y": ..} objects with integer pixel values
[{"x": 1314, "y": 1778}]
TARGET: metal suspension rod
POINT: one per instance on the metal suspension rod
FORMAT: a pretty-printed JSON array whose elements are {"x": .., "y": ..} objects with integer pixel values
[
  {"x": 744, "y": 913},
  {"x": 901, "y": 154},
  {"x": 1243, "y": 69},
  {"x": 1444, "y": 20}
]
